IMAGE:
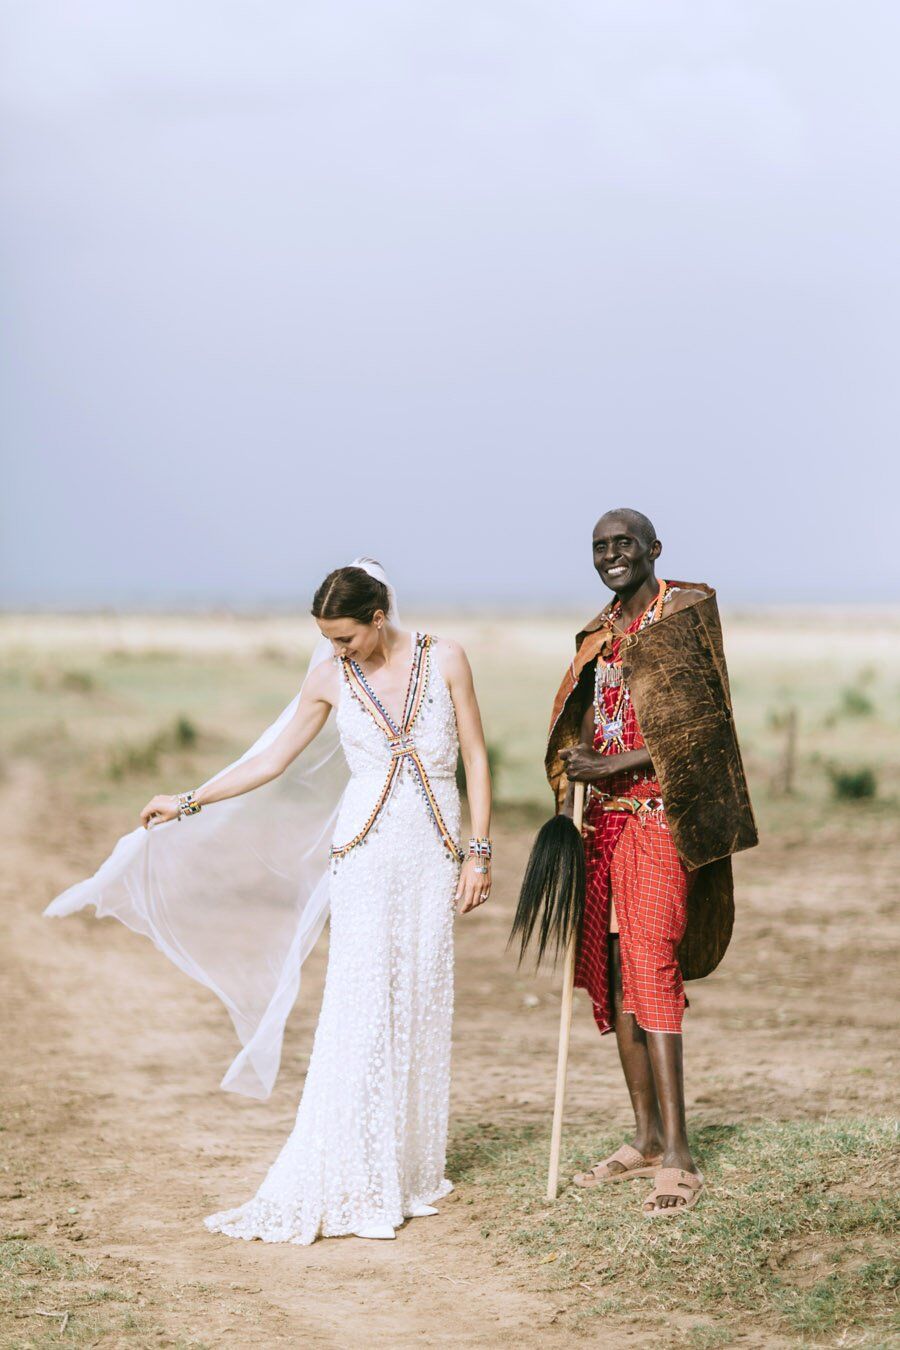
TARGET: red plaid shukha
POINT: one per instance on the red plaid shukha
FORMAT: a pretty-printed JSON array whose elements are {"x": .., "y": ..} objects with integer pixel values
[{"x": 633, "y": 859}]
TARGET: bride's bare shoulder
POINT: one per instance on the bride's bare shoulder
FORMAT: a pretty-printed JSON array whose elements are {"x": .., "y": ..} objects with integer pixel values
[
  {"x": 451, "y": 657},
  {"x": 323, "y": 683}
]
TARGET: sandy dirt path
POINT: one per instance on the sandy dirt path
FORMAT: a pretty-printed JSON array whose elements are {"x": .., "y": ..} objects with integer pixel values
[{"x": 118, "y": 1141}]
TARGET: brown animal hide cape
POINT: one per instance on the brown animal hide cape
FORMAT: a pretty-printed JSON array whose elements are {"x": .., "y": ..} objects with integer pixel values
[{"x": 676, "y": 675}]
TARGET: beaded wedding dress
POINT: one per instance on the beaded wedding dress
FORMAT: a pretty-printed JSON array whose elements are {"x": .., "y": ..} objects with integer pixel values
[{"x": 368, "y": 1146}]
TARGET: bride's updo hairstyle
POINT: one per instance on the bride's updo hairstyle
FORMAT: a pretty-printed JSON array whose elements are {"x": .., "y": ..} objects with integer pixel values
[{"x": 350, "y": 593}]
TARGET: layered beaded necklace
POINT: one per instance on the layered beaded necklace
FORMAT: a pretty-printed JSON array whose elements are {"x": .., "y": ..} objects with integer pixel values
[{"x": 608, "y": 673}]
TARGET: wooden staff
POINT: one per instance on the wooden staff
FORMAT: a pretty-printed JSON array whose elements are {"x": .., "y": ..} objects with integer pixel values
[{"x": 565, "y": 1026}]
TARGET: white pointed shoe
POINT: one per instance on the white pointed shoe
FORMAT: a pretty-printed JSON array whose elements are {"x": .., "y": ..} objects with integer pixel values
[
  {"x": 421, "y": 1211},
  {"x": 376, "y": 1230}
]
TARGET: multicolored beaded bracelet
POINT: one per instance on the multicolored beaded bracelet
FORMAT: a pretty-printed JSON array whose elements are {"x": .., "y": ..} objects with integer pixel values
[{"x": 187, "y": 806}]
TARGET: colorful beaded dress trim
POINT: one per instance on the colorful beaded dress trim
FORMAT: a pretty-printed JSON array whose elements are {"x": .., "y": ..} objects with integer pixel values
[{"x": 400, "y": 740}]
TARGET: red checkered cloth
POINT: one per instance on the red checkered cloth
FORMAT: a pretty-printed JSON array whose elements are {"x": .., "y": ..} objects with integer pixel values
[{"x": 632, "y": 858}]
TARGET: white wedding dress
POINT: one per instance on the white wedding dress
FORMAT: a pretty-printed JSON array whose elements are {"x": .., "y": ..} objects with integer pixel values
[{"x": 369, "y": 1142}]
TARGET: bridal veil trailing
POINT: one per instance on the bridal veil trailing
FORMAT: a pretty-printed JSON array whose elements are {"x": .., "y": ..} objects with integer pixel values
[{"x": 237, "y": 896}]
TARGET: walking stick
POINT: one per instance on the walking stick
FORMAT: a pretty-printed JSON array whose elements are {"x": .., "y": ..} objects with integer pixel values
[
  {"x": 565, "y": 1026},
  {"x": 550, "y": 914}
]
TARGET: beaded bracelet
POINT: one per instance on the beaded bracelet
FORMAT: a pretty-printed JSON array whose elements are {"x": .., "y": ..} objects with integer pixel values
[
  {"x": 480, "y": 848},
  {"x": 187, "y": 806}
]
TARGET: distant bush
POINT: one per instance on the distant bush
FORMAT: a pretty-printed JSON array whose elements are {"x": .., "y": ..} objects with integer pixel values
[
  {"x": 184, "y": 733},
  {"x": 77, "y": 681},
  {"x": 69, "y": 681},
  {"x": 854, "y": 703},
  {"x": 142, "y": 757},
  {"x": 852, "y": 785},
  {"x": 136, "y": 758},
  {"x": 141, "y": 654},
  {"x": 277, "y": 655}
]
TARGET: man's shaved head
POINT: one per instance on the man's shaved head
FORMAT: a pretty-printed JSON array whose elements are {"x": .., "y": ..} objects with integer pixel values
[
  {"x": 640, "y": 524},
  {"x": 625, "y": 549}
]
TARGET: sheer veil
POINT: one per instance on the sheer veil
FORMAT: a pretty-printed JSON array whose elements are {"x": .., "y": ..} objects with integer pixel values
[{"x": 237, "y": 895}]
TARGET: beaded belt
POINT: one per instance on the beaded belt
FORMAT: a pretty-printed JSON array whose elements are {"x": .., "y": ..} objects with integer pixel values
[
  {"x": 402, "y": 745},
  {"x": 635, "y": 806}
]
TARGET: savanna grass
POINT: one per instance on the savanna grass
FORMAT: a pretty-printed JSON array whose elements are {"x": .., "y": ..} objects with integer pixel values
[
  {"x": 784, "y": 1236},
  {"x": 47, "y": 1299},
  {"x": 111, "y": 703}
]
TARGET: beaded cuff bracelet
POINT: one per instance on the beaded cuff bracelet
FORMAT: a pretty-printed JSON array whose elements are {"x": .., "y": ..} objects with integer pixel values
[
  {"x": 187, "y": 806},
  {"x": 480, "y": 848}
]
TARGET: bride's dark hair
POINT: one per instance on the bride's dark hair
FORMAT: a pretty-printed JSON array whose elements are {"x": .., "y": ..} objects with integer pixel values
[{"x": 350, "y": 593}]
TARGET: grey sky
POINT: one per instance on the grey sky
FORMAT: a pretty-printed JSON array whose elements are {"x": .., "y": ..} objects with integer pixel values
[{"x": 440, "y": 281}]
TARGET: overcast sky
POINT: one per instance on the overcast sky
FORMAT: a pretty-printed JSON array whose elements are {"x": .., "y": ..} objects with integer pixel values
[{"x": 439, "y": 281}]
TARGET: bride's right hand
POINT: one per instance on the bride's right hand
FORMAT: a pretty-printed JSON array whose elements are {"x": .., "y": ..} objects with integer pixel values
[{"x": 159, "y": 809}]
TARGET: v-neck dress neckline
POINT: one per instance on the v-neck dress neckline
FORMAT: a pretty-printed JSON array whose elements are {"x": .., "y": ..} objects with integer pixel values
[
  {"x": 397, "y": 726},
  {"x": 401, "y": 747}
]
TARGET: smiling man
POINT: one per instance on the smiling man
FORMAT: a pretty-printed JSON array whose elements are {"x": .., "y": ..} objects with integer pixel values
[{"x": 644, "y": 718}]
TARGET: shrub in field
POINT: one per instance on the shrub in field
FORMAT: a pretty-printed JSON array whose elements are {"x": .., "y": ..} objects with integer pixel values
[
  {"x": 852, "y": 785},
  {"x": 65, "y": 681},
  {"x": 77, "y": 681},
  {"x": 142, "y": 757},
  {"x": 854, "y": 703},
  {"x": 277, "y": 655},
  {"x": 185, "y": 733}
]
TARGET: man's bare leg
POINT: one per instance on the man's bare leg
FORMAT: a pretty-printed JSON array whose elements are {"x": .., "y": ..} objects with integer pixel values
[
  {"x": 666, "y": 1057},
  {"x": 653, "y": 1064},
  {"x": 637, "y": 1067}
]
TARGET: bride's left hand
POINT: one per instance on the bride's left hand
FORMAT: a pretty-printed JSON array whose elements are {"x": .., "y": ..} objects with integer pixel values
[{"x": 474, "y": 887}]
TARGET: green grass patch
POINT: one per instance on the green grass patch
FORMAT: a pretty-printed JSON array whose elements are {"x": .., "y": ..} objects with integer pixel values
[
  {"x": 784, "y": 1235},
  {"x": 48, "y": 1298}
]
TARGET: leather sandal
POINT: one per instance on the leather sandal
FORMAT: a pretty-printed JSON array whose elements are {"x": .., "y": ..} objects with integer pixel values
[
  {"x": 673, "y": 1182},
  {"x": 632, "y": 1162}
]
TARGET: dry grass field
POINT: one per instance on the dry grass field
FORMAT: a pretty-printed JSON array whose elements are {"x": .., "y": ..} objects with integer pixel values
[{"x": 116, "y": 1141}]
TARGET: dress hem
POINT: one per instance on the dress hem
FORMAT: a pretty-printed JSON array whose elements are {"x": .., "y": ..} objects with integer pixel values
[{"x": 231, "y": 1222}]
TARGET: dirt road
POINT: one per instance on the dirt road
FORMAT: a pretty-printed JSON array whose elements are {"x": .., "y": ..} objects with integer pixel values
[{"x": 117, "y": 1141}]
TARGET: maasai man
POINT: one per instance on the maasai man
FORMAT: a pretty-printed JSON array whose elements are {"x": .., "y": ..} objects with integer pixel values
[{"x": 643, "y": 717}]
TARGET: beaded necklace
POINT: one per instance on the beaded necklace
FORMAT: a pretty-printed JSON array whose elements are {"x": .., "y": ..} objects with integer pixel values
[{"x": 608, "y": 674}]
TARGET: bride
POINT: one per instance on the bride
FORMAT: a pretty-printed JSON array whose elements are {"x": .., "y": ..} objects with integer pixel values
[{"x": 239, "y": 904}]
